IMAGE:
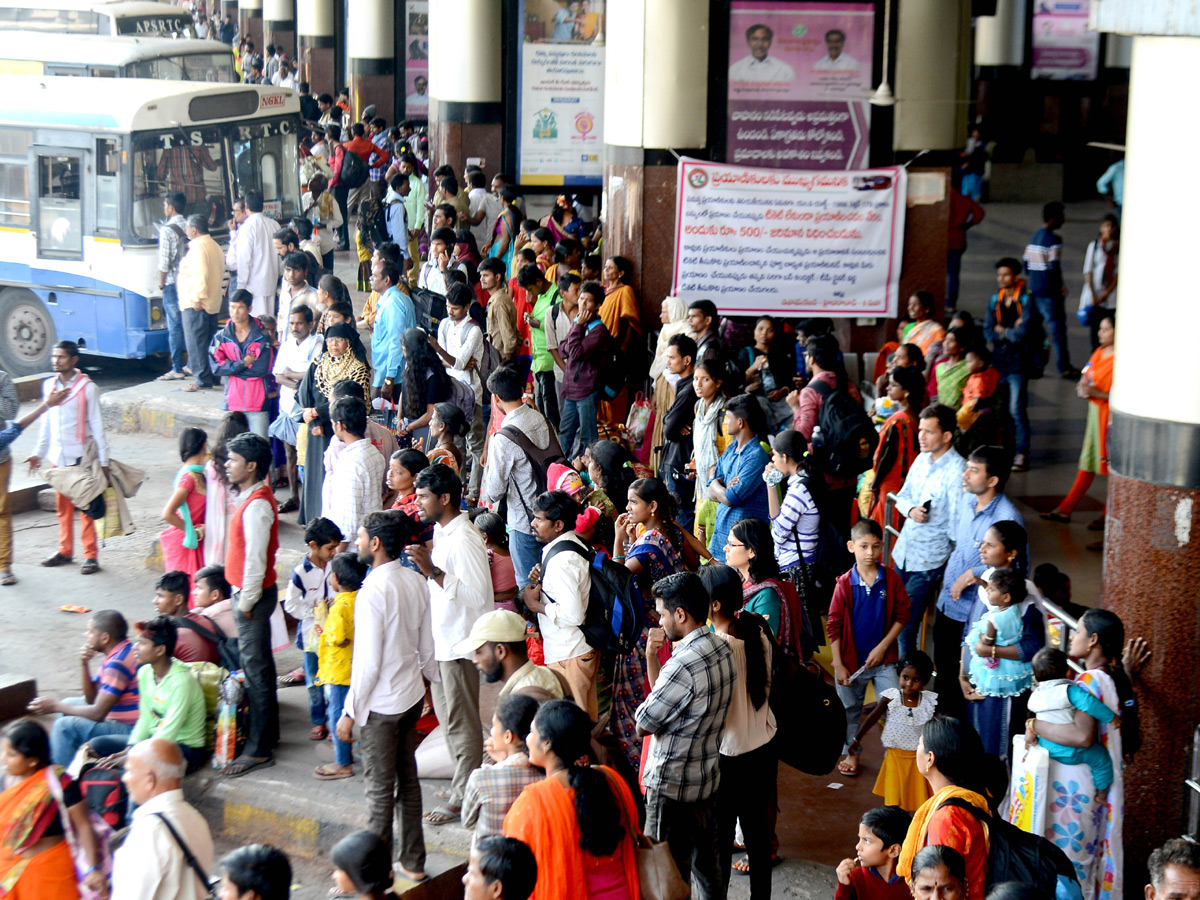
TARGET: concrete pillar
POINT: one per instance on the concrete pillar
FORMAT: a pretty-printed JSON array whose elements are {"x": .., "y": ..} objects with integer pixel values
[
  {"x": 370, "y": 44},
  {"x": 655, "y": 98},
  {"x": 1118, "y": 51},
  {"x": 933, "y": 54},
  {"x": 1000, "y": 39},
  {"x": 317, "y": 44},
  {"x": 1152, "y": 544},
  {"x": 251, "y": 18},
  {"x": 279, "y": 24},
  {"x": 466, "y": 115}
]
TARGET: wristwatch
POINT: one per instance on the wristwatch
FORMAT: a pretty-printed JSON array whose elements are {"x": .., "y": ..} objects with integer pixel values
[{"x": 437, "y": 573}]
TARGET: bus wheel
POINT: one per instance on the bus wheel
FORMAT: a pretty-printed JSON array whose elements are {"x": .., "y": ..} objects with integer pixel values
[{"x": 27, "y": 333}]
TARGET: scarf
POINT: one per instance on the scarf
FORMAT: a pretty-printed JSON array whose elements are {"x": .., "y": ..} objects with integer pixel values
[
  {"x": 1017, "y": 287},
  {"x": 677, "y": 312},
  {"x": 788, "y": 639},
  {"x": 332, "y": 369},
  {"x": 914, "y": 841},
  {"x": 191, "y": 539},
  {"x": 704, "y": 434},
  {"x": 26, "y": 809},
  {"x": 78, "y": 389}
]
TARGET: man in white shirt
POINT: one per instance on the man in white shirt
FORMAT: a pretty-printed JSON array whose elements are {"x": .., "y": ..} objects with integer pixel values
[
  {"x": 433, "y": 272},
  {"x": 293, "y": 286},
  {"x": 460, "y": 591},
  {"x": 460, "y": 345},
  {"x": 251, "y": 252},
  {"x": 151, "y": 863},
  {"x": 759, "y": 66},
  {"x": 479, "y": 206},
  {"x": 558, "y": 592},
  {"x": 836, "y": 60},
  {"x": 357, "y": 478},
  {"x": 302, "y": 346},
  {"x": 393, "y": 649},
  {"x": 62, "y": 438}
]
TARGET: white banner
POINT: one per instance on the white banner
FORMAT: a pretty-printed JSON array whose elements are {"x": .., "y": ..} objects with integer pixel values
[{"x": 790, "y": 243}]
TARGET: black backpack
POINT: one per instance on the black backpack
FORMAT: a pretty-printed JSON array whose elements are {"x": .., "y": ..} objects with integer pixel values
[
  {"x": 1016, "y": 855},
  {"x": 849, "y": 434},
  {"x": 614, "y": 371},
  {"x": 228, "y": 651},
  {"x": 354, "y": 171},
  {"x": 809, "y": 716},
  {"x": 615, "y": 613}
]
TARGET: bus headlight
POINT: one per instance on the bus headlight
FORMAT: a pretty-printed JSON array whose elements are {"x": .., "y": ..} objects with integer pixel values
[{"x": 156, "y": 317}]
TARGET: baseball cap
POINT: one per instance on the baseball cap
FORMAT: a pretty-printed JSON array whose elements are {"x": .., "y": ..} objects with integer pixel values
[{"x": 500, "y": 626}]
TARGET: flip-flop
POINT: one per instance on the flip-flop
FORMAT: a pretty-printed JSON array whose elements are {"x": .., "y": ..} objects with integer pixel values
[
  {"x": 190, "y": 388},
  {"x": 442, "y": 815},
  {"x": 404, "y": 873},
  {"x": 291, "y": 679},
  {"x": 248, "y": 765},
  {"x": 851, "y": 773},
  {"x": 318, "y": 733},
  {"x": 332, "y": 772},
  {"x": 171, "y": 376},
  {"x": 442, "y": 794}
]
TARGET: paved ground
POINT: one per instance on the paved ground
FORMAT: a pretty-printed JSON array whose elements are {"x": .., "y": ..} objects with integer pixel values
[{"x": 819, "y": 815}]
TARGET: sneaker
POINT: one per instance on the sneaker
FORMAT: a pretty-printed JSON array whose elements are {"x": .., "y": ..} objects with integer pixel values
[{"x": 7, "y": 577}]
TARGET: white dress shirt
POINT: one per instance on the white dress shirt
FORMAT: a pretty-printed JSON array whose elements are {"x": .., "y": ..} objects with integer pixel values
[
  {"x": 393, "y": 643},
  {"x": 432, "y": 278},
  {"x": 357, "y": 487},
  {"x": 566, "y": 584},
  {"x": 464, "y": 341},
  {"x": 295, "y": 355},
  {"x": 252, "y": 255},
  {"x": 150, "y": 865},
  {"x": 257, "y": 520},
  {"x": 465, "y": 593},
  {"x": 763, "y": 70},
  {"x": 58, "y": 435}
]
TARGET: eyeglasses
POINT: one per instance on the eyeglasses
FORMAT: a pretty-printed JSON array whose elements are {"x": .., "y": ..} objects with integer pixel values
[{"x": 730, "y": 544}]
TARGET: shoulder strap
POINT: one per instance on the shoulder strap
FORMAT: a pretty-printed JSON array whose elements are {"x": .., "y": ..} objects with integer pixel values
[
  {"x": 821, "y": 387},
  {"x": 187, "y": 853},
  {"x": 216, "y": 635},
  {"x": 561, "y": 546}
]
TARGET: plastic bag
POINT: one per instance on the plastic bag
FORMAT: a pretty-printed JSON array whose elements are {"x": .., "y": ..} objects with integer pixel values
[
  {"x": 637, "y": 425},
  {"x": 231, "y": 709}
]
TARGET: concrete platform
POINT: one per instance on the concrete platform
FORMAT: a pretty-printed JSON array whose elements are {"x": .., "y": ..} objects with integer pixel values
[{"x": 161, "y": 407}]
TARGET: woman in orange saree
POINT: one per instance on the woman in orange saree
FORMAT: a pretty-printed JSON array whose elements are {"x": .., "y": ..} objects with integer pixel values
[
  {"x": 35, "y": 859},
  {"x": 621, "y": 317},
  {"x": 597, "y": 862}
]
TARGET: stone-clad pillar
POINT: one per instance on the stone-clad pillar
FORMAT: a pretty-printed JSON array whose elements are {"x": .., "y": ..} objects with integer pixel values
[
  {"x": 317, "y": 45},
  {"x": 251, "y": 24},
  {"x": 933, "y": 53},
  {"x": 279, "y": 24},
  {"x": 370, "y": 44}
]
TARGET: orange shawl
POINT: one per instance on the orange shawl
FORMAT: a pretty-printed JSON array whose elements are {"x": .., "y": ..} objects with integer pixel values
[
  {"x": 621, "y": 303},
  {"x": 26, "y": 809},
  {"x": 925, "y": 334},
  {"x": 1100, "y": 369},
  {"x": 543, "y": 816},
  {"x": 915, "y": 840}
]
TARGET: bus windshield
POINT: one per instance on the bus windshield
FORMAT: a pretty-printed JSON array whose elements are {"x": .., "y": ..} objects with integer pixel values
[
  {"x": 214, "y": 68},
  {"x": 192, "y": 164},
  {"x": 266, "y": 156}
]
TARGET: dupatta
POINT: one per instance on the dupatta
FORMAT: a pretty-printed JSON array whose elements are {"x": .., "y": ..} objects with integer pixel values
[{"x": 26, "y": 810}]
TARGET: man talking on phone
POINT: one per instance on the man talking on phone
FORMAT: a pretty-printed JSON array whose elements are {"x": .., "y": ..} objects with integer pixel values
[
  {"x": 433, "y": 272},
  {"x": 930, "y": 501}
]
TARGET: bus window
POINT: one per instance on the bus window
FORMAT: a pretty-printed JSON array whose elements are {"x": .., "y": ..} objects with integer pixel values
[
  {"x": 107, "y": 166},
  {"x": 192, "y": 163},
  {"x": 60, "y": 222},
  {"x": 14, "y": 177},
  {"x": 213, "y": 68}
]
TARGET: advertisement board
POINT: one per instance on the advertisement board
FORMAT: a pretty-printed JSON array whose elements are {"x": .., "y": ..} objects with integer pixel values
[
  {"x": 1063, "y": 48},
  {"x": 793, "y": 243},
  {"x": 416, "y": 59},
  {"x": 799, "y": 77}
]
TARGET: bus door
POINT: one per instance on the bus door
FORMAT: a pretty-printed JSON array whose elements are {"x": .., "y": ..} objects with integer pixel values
[{"x": 60, "y": 274}]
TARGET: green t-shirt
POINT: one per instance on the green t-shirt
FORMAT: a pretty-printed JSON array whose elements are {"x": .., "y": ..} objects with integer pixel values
[
  {"x": 172, "y": 708},
  {"x": 543, "y": 361}
]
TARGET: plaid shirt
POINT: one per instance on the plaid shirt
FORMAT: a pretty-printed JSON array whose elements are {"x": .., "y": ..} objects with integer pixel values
[
  {"x": 381, "y": 141},
  {"x": 171, "y": 246},
  {"x": 492, "y": 790},
  {"x": 686, "y": 714},
  {"x": 357, "y": 487}
]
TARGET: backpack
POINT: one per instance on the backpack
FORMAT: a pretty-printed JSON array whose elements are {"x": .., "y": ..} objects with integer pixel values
[
  {"x": 850, "y": 436},
  {"x": 429, "y": 305},
  {"x": 489, "y": 361},
  {"x": 809, "y": 717},
  {"x": 462, "y": 395},
  {"x": 372, "y": 223},
  {"x": 182, "y": 246},
  {"x": 614, "y": 371},
  {"x": 228, "y": 650},
  {"x": 105, "y": 794},
  {"x": 1016, "y": 855},
  {"x": 354, "y": 171},
  {"x": 539, "y": 460},
  {"x": 615, "y": 614}
]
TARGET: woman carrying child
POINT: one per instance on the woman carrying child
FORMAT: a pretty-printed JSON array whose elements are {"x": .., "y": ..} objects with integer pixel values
[{"x": 908, "y": 708}]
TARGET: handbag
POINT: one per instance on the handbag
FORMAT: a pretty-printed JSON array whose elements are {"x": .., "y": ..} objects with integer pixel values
[
  {"x": 658, "y": 876},
  {"x": 190, "y": 859}
]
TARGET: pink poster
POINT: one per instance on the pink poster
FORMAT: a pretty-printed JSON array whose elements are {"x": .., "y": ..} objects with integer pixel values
[{"x": 799, "y": 77}]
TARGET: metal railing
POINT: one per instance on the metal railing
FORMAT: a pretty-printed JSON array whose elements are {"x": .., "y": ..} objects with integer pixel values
[{"x": 1067, "y": 624}]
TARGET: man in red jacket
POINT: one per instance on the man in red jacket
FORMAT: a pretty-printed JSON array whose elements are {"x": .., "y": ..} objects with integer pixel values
[
  {"x": 869, "y": 610},
  {"x": 375, "y": 158}
]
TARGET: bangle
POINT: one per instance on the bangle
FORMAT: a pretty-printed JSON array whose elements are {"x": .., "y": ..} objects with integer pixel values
[
  {"x": 91, "y": 870},
  {"x": 619, "y": 558},
  {"x": 993, "y": 651}
]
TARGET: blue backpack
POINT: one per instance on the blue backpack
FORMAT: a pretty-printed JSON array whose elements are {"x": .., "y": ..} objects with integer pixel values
[{"x": 615, "y": 613}]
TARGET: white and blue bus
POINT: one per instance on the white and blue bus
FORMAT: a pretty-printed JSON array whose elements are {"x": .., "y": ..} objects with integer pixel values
[
  {"x": 85, "y": 164},
  {"x": 169, "y": 59},
  {"x": 96, "y": 17}
]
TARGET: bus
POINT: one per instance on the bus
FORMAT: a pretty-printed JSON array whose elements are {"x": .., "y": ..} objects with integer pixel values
[
  {"x": 96, "y": 17},
  {"x": 85, "y": 164},
  {"x": 168, "y": 59}
]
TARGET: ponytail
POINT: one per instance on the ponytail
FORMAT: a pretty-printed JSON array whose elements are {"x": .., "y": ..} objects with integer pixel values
[{"x": 600, "y": 828}]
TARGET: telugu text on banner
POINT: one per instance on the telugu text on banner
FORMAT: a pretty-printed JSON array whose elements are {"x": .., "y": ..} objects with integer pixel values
[{"x": 790, "y": 243}]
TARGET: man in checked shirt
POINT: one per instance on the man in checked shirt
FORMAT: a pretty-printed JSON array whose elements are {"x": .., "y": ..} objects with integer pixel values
[{"x": 685, "y": 713}]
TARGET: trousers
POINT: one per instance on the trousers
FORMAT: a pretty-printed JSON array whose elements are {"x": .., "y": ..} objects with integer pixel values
[
  {"x": 691, "y": 831},
  {"x": 456, "y": 702},
  {"x": 198, "y": 328},
  {"x": 389, "y": 748},
  {"x": 6, "y": 543},
  {"x": 745, "y": 795},
  {"x": 65, "y": 511},
  {"x": 175, "y": 340},
  {"x": 258, "y": 666}
]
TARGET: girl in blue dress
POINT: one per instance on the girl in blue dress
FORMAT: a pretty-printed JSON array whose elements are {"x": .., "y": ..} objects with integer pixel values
[{"x": 1001, "y": 626}]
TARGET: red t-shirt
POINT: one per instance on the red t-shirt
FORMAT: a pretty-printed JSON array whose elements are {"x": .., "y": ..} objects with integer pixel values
[
  {"x": 957, "y": 828},
  {"x": 867, "y": 884}
]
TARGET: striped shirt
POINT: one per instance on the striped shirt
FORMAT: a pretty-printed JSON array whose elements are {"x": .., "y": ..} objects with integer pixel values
[
  {"x": 357, "y": 487},
  {"x": 795, "y": 529},
  {"x": 117, "y": 677},
  {"x": 1043, "y": 263},
  {"x": 685, "y": 713}
]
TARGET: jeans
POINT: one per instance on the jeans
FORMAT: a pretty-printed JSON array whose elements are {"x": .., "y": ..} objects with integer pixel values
[
  {"x": 578, "y": 424},
  {"x": 851, "y": 695},
  {"x": 258, "y": 666},
  {"x": 953, "y": 271},
  {"x": 745, "y": 795},
  {"x": 476, "y": 443},
  {"x": 1054, "y": 313},
  {"x": 335, "y": 702},
  {"x": 108, "y": 744},
  {"x": 526, "y": 553},
  {"x": 921, "y": 587},
  {"x": 175, "y": 339},
  {"x": 389, "y": 747},
  {"x": 198, "y": 328},
  {"x": 259, "y": 423},
  {"x": 545, "y": 396},
  {"x": 316, "y": 694},
  {"x": 72, "y": 732},
  {"x": 691, "y": 831},
  {"x": 1018, "y": 409}
]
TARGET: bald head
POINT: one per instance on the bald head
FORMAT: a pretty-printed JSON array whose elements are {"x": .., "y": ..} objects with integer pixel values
[{"x": 153, "y": 767}]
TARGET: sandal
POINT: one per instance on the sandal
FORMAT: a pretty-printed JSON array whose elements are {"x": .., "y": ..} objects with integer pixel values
[
  {"x": 1057, "y": 515},
  {"x": 416, "y": 877},
  {"x": 289, "y": 506},
  {"x": 89, "y": 567},
  {"x": 742, "y": 866},
  {"x": 442, "y": 815},
  {"x": 318, "y": 733},
  {"x": 291, "y": 679},
  {"x": 333, "y": 772},
  {"x": 190, "y": 388},
  {"x": 1096, "y": 524},
  {"x": 171, "y": 376},
  {"x": 844, "y": 768},
  {"x": 245, "y": 764}
]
